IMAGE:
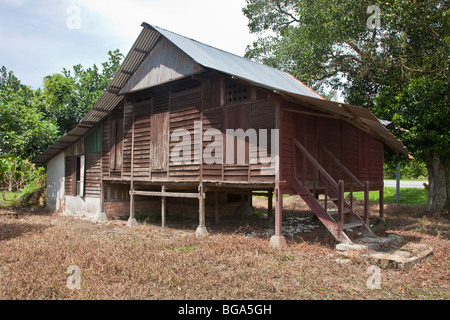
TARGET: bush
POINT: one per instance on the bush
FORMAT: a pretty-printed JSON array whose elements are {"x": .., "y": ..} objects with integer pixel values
[
  {"x": 412, "y": 169},
  {"x": 16, "y": 173}
]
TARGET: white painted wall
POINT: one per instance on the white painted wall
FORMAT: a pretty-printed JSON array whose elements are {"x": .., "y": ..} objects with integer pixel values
[
  {"x": 55, "y": 183},
  {"x": 82, "y": 207}
]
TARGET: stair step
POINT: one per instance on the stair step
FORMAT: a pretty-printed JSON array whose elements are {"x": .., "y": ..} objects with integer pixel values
[
  {"x": 335, "y": 212},
  {"x": 352, "y": 225},
  {"x": 329, "y": 199}
]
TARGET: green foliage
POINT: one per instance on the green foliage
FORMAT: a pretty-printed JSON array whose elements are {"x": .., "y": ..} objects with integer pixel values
[
  {"x": 23, "y": 129},
  {"x": 16, "y": 173},
  {"x": 65, "y": 98},
  {"x": 410, "y": 169},
  {"x": 30, "y": 120},
  {"x": 400, "y": 70}
]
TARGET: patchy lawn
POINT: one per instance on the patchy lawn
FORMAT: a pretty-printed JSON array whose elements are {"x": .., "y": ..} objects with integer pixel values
[{"x": 234, "y": 262}]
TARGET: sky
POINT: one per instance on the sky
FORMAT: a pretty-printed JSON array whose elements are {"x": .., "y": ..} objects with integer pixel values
[{"x": 41, "y": 37}]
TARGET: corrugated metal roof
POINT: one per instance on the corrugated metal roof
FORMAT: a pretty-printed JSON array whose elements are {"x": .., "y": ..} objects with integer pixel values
[
  {"x": 237, "y": 66},
  {"x": 165, "y": 63},
  {"x": 225, "y": 62}
]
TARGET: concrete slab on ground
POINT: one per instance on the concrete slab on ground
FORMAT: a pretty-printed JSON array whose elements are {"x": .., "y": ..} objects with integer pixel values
[{"x": 386, "y": 252}]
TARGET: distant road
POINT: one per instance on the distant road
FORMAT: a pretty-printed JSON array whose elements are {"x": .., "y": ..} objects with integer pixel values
[{"x": 405, "y": 184}]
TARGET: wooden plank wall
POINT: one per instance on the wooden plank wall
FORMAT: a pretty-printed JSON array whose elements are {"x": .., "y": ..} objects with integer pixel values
[
  {"x": 92, "y": 175},
  {"x": 142, "y": 127},
  {"x": 185, "y": 110},
  {"x": 183, "y": 103},
  {"x": 361, "y": 153},
  {"x": 263, "y": 117}
]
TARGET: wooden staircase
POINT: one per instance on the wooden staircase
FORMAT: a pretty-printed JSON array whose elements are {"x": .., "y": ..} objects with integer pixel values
[{"x": 343, "y": 217}]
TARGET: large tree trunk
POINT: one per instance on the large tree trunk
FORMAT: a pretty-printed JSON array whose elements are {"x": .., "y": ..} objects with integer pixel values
[{"x": 438, "y": 174}]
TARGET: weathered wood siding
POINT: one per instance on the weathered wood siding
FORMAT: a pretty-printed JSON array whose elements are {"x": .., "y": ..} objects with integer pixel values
[
  {"x": 185, "y": 110},
  {"x": 358, "y": 151},
  {"x": 92, "y": 178}
]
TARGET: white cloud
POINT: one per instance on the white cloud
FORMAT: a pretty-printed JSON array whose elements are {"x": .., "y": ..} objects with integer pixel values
[
  {"x": 217, "y": 23},
  {"x": 36, "y": 40}
]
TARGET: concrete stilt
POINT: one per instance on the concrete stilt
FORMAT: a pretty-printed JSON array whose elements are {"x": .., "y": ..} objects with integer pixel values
[
  {"x": 132, "y": 222},
  {"x": 201, "y": 229},
  {"x": 101, "y": 217}
]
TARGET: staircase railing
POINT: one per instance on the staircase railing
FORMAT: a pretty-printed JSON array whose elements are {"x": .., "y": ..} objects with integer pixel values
[
  {"x": 320, "y": 175},
  {"x": 364, "y": 186}
]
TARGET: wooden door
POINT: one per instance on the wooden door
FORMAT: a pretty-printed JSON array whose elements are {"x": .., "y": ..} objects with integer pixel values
[{"x": 159, "y": 136}]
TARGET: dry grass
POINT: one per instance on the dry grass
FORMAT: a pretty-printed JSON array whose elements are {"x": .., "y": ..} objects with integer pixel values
[{"x": 147, "y": 262}]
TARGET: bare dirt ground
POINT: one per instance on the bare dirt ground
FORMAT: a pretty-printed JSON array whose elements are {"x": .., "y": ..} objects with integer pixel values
[{"x": 233, "y": 262}]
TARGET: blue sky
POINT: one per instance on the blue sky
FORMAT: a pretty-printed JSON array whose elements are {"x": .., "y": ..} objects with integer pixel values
[{"x": 37, "y": 37}]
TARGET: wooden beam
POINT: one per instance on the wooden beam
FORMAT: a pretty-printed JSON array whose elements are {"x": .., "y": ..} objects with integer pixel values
[
  {"x": 381, "y": 203},
  {"x": 270, "y": 204},
  {"x": 166, "y": 194},
  {"x": 216, "y": 206},
  {"x": 278, "y": 212}
]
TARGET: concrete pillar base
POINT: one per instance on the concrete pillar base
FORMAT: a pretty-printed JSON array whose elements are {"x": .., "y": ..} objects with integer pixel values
[
  {"x": 380, "y": 220},
  {"x": 201, "y": 232},
  {"x": 278, "y": 242},
  {"x": 132, "y": 223},
  {"x": 101, "y": 217}
]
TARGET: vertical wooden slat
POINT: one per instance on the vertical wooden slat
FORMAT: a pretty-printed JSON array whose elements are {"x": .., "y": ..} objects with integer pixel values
[
  {"x": 216, "y": 206},
  {"x": 112, "y": 153},
  {"x": 381, "y": 203},
  {"x": 366, "y": 203},
  {"x": 119, "y": 145},
  {"x": 278, "y": 212},
  {"x": 340, "y": 209}
]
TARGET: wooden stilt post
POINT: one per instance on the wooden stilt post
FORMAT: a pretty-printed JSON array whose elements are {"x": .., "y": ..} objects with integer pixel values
[
  {"x": 216, "y": 206},
  {"x": 270, "y": 204},
  {"x": 242, "y": 206},
  {"x": 277, "y": 241},
  {"x": 163, "y": 208},
  {"x": 381, "y": 202},
  {"x": 340, "y": 223},
  {"x": 366, "y": 203},
  {"x": 201, "y": 229}
]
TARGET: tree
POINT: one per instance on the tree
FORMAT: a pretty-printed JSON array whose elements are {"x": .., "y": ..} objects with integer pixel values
[
  {"x": 66, "y": 97},
  {"x": 24, "y": 131},
  {"x": 399, "y": 68}
]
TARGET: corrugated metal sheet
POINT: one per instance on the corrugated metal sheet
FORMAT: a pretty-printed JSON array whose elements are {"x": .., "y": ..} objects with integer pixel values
[
  {"x": 237, "y": 66},
  {"x": 164, "y": 63}
]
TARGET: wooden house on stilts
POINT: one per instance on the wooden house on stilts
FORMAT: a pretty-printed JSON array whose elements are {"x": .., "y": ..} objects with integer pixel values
[{"x": 182, "y": 119}]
